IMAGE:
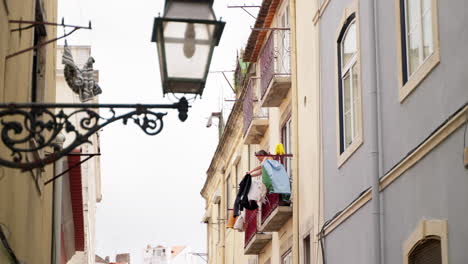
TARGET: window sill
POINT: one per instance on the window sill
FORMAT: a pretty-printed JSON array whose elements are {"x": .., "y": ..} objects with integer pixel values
[
  {"x": 419, "y": 75},
  {"x": 343, "y": 157}
]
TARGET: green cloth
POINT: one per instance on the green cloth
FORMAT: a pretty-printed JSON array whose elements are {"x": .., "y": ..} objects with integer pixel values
[{"x": 267, "y": 180}]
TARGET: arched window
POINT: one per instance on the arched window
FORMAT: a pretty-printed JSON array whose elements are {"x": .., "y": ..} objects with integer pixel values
[
  {"x": 427, "y": 244},
  {"x": 349, "y": 84},
  {"x": 428, "y": 251},
  {"x": 349, "y": 88}
]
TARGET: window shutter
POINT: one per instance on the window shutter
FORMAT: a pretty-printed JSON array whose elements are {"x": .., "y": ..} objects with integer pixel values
[{"x": 427, "y": 252}]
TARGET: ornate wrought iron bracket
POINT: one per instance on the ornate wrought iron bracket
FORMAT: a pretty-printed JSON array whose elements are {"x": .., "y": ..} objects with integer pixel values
[{"x": 29, "y": 129}]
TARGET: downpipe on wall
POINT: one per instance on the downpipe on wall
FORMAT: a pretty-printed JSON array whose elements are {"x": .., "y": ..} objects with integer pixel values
[{"x": 375, "y": 118}]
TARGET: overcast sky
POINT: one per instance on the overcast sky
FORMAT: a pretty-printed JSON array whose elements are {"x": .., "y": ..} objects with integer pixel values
[{"x": 151, "y": 184}]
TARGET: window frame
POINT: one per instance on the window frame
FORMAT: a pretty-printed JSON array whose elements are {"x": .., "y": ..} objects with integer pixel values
[
  {"x": 286, "y": 139},
  {"x": 286, "y": 254},
  {"x": 228, "y": 185},
  {"x": 350, "y": 16},
  {"x": 408, "y": 83},
  {"x": 307, "y": 249},
  {"x": 39, "y": 56},
  {"x": 427, "y": 229}
]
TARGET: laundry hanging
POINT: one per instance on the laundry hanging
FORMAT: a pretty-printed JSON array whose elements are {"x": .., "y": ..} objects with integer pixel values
[
  {"x": 242, "y": 199},
  {"x": 258, "y": 191},
  {"x": 81, "y": 81},
  {"x": 275, "y": 177}
]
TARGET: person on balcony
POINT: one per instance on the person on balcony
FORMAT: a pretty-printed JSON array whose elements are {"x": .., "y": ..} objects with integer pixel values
[
  {"x": 261, "y": 155},
  {"x": 273, "y": 173}
]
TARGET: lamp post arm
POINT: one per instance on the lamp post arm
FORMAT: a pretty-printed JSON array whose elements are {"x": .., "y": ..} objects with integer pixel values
[{"x": 29, "y": 129}]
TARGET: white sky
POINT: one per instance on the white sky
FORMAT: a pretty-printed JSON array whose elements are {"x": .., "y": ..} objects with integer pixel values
[{"x": 151, "y": 184}]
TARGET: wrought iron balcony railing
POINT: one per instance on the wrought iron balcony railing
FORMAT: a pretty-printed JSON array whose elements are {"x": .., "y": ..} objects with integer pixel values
[
  {"x": 251, "y": 225},
  {"x": 251, "y": 109},
  {"x": 272, "y": 202},
  {"x": 275, "y": 59},
  {"x": 248, "y": 106}
]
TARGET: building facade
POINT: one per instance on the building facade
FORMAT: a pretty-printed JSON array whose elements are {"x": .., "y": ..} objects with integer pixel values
[
  {"x": 26, "y": 206},
  {"x": 260, "y": 119},
  {"x": 393, "y": 112},
  {"x": 91, "y": 169},
  {"x": 378, "y": 113},
  {"x": 168, "y": 255}
]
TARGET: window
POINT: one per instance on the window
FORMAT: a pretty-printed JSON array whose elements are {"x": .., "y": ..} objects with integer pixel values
[
  {"x": 349, "y": 85},
  {"x": 218, "y": 222},
  {"x": 229, "y": 204},
  {"x": 307, "y": 254},
  {"x": 349, "y": 89},
  {"x": 39, "y": 57},
  {"x": 427, "y": 252},
  {"x": 238, "y": 174},
  {"x": 228, "y": 196},
  {"x": 286, "y": 132},
  {"x": 427, "y": 244},
  {"x": 418, "y": 37},
  {"x": 287, "y": 257},
  {"x": 253, "y": 260}
]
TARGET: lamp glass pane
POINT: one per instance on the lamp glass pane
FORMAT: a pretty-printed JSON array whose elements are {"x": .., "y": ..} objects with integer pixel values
[
  {"x": 187, "y": 47},
  {"x": 190, "y": 10}
]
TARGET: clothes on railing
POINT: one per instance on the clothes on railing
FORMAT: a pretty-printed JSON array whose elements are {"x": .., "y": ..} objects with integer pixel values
[
  {"x": 242, "y": 199},
  {"x": 81, "y": 81},
  {"x": 275, "y": 177},
  {"x": 240, "y": 222},
  {"x": 258, "y": 191}
]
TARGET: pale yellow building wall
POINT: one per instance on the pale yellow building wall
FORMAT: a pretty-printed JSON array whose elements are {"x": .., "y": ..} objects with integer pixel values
[
  {"x": 25, "y": 209},
  {"x": 233, "y": 243},
  {"x": 306, "y": 126}
]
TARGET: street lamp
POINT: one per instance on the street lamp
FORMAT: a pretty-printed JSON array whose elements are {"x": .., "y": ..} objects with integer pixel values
[{"x": 185, "y": 37}]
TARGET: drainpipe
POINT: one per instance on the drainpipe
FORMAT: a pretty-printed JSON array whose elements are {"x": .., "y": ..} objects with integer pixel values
[
  {"x": 295, "y": 119},
  {"x": 374, "y": 114},
  {"x": 57, "y": 205}
]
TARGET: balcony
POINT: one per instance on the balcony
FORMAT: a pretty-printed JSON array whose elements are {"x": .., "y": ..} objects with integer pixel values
[
  {"x": 275, "y": 64},
  {"x": 254, "y": 241},
  {"x": 255, "y": 118},
  {"x": 275, "y": 213}
]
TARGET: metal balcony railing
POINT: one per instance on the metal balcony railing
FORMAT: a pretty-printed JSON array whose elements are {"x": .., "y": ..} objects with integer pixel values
[
  {"x": 248, "y": 105},
  {"x": 249, "y": 110},
  {"x": 271, "y": 203},
  {"x": 251, "y": 225},
  {"x": 275, "y": 58}
]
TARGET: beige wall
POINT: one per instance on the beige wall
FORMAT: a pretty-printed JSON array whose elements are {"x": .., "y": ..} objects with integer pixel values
[
  {"x": 25, "y": 211},
  {"x": 306, "y": 105}
]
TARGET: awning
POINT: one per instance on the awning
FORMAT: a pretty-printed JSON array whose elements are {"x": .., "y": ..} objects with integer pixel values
[{"x": 72, "y": 210}]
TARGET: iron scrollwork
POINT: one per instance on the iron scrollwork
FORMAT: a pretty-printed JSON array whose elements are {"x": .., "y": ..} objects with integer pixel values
[{"x": 27, "y": 129}]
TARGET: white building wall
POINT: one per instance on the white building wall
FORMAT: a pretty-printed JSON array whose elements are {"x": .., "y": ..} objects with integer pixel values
[
  {"x": 163, "y": 255},
  {"x": 90, "y": 170}
]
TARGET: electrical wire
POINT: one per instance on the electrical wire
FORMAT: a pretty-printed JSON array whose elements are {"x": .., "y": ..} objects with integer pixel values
[
  {"x": 7, "y": 246},
  {"x": 2, "y": 173},
  {"x": 464, "y": 140},
  {"x": 321, "y": 234}
]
